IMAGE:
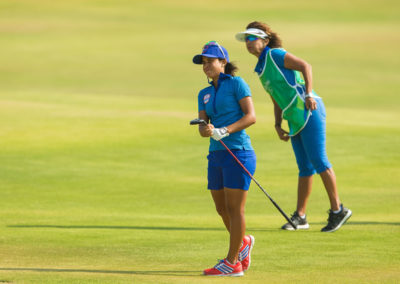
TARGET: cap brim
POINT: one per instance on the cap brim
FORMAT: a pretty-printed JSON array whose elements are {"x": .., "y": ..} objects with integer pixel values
[{"x": 198, "y": 59}]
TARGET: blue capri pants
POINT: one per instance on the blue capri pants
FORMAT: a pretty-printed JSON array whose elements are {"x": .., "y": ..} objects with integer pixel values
[{"x": 309, "y": 145}]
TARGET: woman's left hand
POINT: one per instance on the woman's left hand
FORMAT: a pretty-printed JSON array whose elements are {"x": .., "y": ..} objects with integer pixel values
[{"x": 311, "y": 104}]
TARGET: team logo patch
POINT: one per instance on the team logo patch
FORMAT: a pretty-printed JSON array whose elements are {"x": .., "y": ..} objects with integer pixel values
[{"x": 206, "y": 98}]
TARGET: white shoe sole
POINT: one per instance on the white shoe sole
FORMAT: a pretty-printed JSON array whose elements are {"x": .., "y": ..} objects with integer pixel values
[
  {"x": 299, "y": 227},
  {"x": 227, "y": 275},
  {"x": 236, "y": 274}
]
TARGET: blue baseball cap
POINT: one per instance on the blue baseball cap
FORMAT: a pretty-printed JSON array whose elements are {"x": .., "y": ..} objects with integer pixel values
[{"x": 211, "y": 49}]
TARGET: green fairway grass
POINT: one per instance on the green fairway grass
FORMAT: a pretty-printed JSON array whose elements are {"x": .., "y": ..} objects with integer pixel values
[{"x": 103, "y": 180}]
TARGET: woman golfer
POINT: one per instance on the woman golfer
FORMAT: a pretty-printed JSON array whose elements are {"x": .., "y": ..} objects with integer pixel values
[
  {"x": 228, "y": 108},
  {"x": 295, "y": 101}
]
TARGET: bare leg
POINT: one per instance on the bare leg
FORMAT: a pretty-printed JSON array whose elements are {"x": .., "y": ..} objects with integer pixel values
[
  {"x": 235, "y": 201},
  {"x": 329, "y": 179},
  {"x": 220, "y": 206},
  {"x": 303, "y": 193}
]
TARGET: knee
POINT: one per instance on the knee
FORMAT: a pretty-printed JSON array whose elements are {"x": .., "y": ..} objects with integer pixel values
[
  {"x": 221, "y": 210},
  {"x": 235, "y": 210}
]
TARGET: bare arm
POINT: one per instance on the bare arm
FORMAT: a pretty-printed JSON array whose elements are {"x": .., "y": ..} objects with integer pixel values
[
  {"x": 295, "y": 63},
  {"x": 205, "y": 130},
  {"x": 249, "y": 118},
  {"x": 283, "y": 135},
  {"x": 277, "y": 113}
]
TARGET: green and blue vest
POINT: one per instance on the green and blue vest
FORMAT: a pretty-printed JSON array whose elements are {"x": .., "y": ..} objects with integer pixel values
[{"x": 286, "y": 87}]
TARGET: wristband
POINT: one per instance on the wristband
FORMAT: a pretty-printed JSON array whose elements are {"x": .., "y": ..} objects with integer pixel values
[{"x": 309, "y": 95}]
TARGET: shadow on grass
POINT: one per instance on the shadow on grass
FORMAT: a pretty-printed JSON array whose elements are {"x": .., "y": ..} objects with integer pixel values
[
  {"x": 363, "y": 223},
  {"x": 131, "y": 228},
  {"x": 133, "y": 272}
]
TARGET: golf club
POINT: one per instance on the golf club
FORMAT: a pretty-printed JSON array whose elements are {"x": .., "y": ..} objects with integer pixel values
[{"x": 201, "y": 121}]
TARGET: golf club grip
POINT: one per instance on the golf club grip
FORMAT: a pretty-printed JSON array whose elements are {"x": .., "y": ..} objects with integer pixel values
[{"x": 251, "y": 176}]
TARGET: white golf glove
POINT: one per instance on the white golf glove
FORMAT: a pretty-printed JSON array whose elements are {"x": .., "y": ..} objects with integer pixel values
[{"x": 219, "y": 133}]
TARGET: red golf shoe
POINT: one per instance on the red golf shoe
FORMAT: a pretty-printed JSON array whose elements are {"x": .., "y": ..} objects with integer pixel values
[
  {"x": 245, "y": 251},
  {"x": 224, "y": 268}
]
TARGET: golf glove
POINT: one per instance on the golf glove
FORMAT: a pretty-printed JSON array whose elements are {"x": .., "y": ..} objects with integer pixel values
[{"x": 219, "y": 133}]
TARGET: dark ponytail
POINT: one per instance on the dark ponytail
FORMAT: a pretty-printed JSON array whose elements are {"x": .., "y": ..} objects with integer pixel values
[{"x": 231, "y": 69}]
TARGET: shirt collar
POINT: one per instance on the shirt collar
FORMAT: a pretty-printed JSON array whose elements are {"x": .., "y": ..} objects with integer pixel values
[
  {"x": 261, "y": 60},
  {"x": 222, "y": 77}
]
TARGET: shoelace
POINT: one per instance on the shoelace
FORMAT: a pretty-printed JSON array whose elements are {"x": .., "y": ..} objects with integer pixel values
[
  {"x": 219, "y": 261},
  {"x": 332, "y": 216},
  {"x": 295, "y": 217}
]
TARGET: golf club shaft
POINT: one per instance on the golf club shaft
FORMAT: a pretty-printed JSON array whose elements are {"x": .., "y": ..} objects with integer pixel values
[
  {"x": 251, "y": 176},
  {"x": 202, "y": 121}
]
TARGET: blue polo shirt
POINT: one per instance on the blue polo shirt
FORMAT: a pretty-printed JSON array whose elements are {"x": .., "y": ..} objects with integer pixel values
[{"x": 222, "y": 107}]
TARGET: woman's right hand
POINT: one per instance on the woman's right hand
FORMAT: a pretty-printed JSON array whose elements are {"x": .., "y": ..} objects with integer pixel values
[
  {"x": 283, "y": 135},
  {"x": 206, "y": 130}
]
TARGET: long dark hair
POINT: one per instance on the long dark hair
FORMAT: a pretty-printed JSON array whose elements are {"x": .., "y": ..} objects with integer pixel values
[
  {"x": 274, "y": 39},
  {"x": 231, "y": 69}
]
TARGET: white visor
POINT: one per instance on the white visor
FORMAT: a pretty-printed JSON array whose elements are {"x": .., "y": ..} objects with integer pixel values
[{"x": 257, "y": 32}]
